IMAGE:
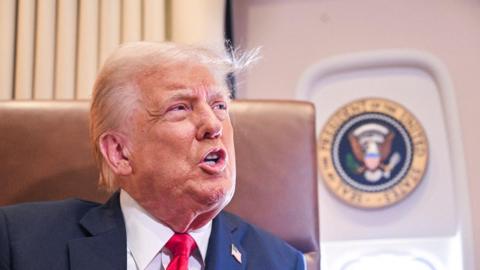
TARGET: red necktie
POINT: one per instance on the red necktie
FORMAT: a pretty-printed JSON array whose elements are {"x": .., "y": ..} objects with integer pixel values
[{"x": 181, "y": 245}]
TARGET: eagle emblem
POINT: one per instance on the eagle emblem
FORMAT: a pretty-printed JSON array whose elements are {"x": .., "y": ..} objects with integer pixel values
[{"x": 371, "y": 145}]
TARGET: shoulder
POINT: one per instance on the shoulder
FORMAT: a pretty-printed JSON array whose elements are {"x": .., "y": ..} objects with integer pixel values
[
  {"x": 43, "y": 216},
  {"x": 37, "y": 235},
  {"x": 43, "y": 211},
  {"x": 41, "y": 229},
  {"x": 262, "y": 247}
]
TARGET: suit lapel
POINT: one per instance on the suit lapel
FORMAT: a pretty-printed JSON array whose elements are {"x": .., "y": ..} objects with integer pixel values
[
  {"x": 220, "y": 254},
  {"x": 105, "y": 248}
]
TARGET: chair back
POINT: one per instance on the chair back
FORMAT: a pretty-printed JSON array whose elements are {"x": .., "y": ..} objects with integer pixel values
[{"x": 46, "y": 155}]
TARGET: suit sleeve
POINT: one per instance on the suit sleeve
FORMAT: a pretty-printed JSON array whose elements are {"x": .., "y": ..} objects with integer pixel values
[{"x": 4, "y": 243}]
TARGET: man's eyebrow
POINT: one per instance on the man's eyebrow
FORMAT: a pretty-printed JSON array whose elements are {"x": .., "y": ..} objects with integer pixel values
[
  {"x": 181, "y": 95},
  {"x": 190, "y": 94}
]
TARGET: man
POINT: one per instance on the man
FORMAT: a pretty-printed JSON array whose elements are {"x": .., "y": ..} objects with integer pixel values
[{"x": 163, "y": 138}]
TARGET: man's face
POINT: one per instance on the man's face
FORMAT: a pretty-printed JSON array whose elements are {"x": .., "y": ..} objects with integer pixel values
[{"x": 181, "y": 146}]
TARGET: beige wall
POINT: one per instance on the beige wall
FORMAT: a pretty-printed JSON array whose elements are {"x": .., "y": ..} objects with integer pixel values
[{"x": 296, "y": 34}]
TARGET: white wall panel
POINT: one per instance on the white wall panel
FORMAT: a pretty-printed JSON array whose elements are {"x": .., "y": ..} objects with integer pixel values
[
  {"x": 419, "y": 82},
  {"x": 297, "y": 34},
  {"x": 154, "y": 20},
  {"x": 109, "y": 28},
  {"x": 25, "y": 49},
  {"x": 87, "y": 48},
  {"x": 65, "y": 60},
  {"x": 7, "y": 47},
  {"x": 44, "y": 50}
]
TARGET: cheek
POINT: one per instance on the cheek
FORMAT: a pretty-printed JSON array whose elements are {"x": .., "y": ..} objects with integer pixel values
[
  {"x": 228, "y": 142},
  {"x": 165, "y": 150},
  {"x": 229, "y": 145},
  {"x": 172, "y": 137}
]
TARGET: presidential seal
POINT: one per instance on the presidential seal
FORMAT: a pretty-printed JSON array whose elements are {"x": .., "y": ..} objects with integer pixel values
[{"x": 372, "y": 153}]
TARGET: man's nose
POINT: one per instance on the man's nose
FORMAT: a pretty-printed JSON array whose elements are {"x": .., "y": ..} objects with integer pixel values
[{"x": 209, "y": 127}]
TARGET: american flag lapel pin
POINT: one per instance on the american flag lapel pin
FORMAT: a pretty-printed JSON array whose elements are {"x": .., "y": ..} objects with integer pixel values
[{"x": 236, "y": 254}]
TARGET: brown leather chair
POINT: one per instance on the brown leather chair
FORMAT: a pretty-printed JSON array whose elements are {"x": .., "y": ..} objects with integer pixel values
[{"x": 45, "y": 155}]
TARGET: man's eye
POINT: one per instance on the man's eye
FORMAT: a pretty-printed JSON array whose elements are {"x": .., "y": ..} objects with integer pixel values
[
  {"x": 220, "y": 106},
  {"x": 179, "y": 107}
]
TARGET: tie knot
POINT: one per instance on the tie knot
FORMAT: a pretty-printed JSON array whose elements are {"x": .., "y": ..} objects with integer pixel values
[{"x": 181, "y": 244}]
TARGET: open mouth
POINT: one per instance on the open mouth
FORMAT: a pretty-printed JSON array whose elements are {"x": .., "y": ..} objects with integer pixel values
[{"x": 214, "y": 161}]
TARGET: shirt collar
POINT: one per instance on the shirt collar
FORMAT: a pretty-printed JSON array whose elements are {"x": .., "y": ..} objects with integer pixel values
[{"x": 146, "y": 236}]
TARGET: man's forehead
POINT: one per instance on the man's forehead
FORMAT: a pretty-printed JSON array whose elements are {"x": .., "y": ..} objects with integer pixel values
[
  {"x": 185, "y": 77},
  {"x": 177, "y": 71}
]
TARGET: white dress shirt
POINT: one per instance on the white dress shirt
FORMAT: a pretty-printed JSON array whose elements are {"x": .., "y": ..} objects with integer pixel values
[{"x": 146, "y": 238}]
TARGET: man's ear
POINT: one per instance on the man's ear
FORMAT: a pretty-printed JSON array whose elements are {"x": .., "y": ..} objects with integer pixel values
[{"x": 115, "y": 152}]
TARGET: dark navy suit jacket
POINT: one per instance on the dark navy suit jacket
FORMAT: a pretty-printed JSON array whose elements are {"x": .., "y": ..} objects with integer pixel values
[{"x": 75, "y": 234}]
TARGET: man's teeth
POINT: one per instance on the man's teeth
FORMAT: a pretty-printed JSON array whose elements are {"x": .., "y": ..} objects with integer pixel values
[{"x": 211, "y": 156}]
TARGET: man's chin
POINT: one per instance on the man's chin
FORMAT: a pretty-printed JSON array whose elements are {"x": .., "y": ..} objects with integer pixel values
[{"x": 210, "y": 198}]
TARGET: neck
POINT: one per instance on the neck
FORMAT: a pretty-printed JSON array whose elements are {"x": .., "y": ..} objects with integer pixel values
[{"x": 187, "y": 223}]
